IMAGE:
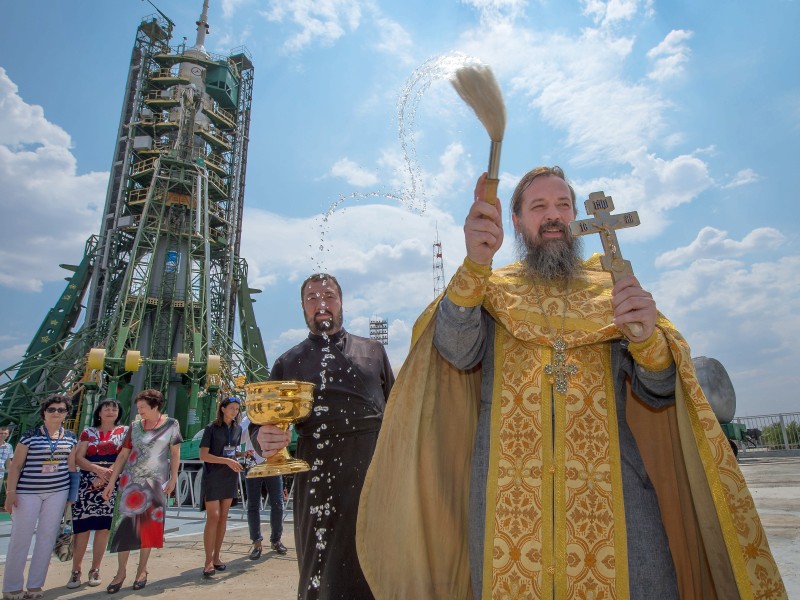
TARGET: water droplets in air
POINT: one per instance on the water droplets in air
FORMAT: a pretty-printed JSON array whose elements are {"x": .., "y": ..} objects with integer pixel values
[{"x": 412, "y": 194}]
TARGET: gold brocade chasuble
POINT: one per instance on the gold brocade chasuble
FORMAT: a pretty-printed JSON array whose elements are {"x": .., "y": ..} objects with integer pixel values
[{"x": 555, "y": 521}]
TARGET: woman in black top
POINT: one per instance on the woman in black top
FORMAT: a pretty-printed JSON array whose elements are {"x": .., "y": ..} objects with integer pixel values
[{"x": 218, "y": 449}]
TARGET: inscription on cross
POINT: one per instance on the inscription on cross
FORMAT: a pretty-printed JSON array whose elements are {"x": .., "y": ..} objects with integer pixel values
[{"x": 603, "y": 222}]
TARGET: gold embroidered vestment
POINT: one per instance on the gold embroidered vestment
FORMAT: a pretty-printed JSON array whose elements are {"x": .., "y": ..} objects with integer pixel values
[{"x": 555, "y": 520}]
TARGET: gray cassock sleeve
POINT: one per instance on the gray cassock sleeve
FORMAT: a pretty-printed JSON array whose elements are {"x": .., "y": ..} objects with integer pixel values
[
  {"x": 461, "y": 334},
  {"x": 656, "y": 388}
]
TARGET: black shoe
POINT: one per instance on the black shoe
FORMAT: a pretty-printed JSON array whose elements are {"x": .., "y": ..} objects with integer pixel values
[
  {"x": 140, "y": 583},
  {"x": 220, "y": 567},
  {"x": 209, "y": 573},
  {"x": 278, "y": 547},
  {"x": 113, "y": 588},
  {"x": 255, "y": 552}
]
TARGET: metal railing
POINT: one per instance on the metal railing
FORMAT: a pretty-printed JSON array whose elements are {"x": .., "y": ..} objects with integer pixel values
[
  {"x": 771, "y": 432},
  {"x": 188, "y": 490}
]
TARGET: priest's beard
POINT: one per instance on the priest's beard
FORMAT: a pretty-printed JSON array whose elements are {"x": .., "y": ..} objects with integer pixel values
[
  {"x": 330, "y": 324},
  {"x": 550, "y": 259}
]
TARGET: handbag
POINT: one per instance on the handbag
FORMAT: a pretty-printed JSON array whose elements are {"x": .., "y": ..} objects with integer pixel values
[{"x": 65, "y": 542}]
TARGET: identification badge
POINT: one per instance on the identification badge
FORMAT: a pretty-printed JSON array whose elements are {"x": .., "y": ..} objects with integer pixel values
[
  {"x": 229, "y": 452},
  {"x": 50, "y": 466}
]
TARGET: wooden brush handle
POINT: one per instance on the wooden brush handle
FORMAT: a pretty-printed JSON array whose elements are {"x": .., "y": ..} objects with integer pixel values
[
  {"x": 490, "y": 191},
  {"x": 635, "y": 329}
]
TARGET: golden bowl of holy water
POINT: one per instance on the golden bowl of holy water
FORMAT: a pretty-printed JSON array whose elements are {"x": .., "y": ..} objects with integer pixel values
[{"x": 279, "y": 403}]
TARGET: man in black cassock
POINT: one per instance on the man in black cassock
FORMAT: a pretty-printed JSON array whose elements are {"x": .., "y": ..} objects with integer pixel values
[{"x": 353, "y": 379}]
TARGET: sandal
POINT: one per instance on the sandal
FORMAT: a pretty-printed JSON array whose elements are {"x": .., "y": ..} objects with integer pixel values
[
  {"x": 140, "y": 583},
  {"x": 209, "y": 573},
  {"x": 34, "y": 594},
  {"x": 14, "y": 595},
  {"x": 94, "y": 577},
  {"x": 74, "y": 580},
  {"x": 113, "y": 588}
]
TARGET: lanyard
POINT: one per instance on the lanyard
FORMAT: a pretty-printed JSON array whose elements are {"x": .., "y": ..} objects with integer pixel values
[
  {"x": 53, "y": 445},
  {"x": 229, "y": 430}
]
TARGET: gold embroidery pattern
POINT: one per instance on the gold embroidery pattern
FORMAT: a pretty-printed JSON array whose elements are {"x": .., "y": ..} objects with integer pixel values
[
  {"x": 517, "y": 560},
  {"x": 653, "y": 353},
  {"x": 467, "y": 286},
  {"x": 554, "y": 509},
  {"x": 583, "y": 486},
  {"x": 757, "y": 574}
]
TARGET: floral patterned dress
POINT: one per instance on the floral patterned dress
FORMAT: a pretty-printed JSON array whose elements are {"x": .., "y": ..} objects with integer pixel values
[
  {"x": 91, "y": 512},
  {"x": 141, "y": 502}
]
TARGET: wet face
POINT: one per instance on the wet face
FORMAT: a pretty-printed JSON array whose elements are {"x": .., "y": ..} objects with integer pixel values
[
  {"x": 322, "y": 307},
  {"x": 545, "y": 245}
]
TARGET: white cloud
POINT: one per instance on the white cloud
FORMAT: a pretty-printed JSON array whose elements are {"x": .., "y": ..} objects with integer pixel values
[
  {"x": 454, "y": 171},
  {"x": 229, "y": 7},
  {"x": 578, "y": 86},
  {"x": 714, "y": 243},
  {"x": 611, "y": 11},
  {"x": 744, "y": 316},
  {"x": 670, "y": 55},
  {"x": 381, "y": 255},
  {"x": 668, "y": 183},
  {"x": 319, "y": 21},
  {"x": 11, "y": 355},
  {"x": 24, "y": 125},
  {"x": 49, "y": 210},
  {"x": 653, "y": 186},
  {"x": 394, "y": 39},
  {"x": 743, "y": 177},
  {"x": 353, "y": 173},
  {"x": 497, "y": 10}
]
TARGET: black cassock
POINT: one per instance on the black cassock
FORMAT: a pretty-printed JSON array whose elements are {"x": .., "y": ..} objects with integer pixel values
[{"x": 353, "y": 379}]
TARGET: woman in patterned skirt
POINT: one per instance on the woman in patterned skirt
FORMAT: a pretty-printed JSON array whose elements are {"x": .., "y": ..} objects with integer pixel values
[
  {"x": 98, "y": 448},
  {"x": 144, "y": 486}
]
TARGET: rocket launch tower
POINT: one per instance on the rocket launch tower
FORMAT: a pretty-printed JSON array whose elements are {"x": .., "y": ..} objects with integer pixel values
[{"x": 163, "y": 279}]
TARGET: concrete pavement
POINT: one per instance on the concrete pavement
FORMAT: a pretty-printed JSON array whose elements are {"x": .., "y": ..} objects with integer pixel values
[{"x": 176, "y": 569}]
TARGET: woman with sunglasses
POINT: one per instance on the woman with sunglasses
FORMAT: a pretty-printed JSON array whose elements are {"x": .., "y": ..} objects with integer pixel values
[
  {"x": 98, "y": 448},
  {"x": 218, "y": 450},
  {"x": 42, "y": 477}
]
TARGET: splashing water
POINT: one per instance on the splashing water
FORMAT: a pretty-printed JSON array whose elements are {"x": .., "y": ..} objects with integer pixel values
[
  {"x": 412, "y": 196},
  {"x": 433, "y": 69}
]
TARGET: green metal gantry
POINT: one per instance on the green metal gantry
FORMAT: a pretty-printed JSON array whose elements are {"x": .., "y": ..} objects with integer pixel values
[{"x": 163, "y": 278}]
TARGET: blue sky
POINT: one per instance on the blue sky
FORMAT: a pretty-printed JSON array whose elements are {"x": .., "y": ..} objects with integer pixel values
[{"x": 688, "y": 112}]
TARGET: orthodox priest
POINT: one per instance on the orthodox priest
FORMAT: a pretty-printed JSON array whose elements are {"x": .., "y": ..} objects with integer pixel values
[
  {"x": 535, "y": 447},
  {"x": 353, "y": 379}
]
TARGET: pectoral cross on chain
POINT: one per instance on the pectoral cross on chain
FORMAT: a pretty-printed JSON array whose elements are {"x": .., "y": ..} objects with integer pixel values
[
  {"x": 559, "y": 370},
  {"x": 603, "y": 222}
]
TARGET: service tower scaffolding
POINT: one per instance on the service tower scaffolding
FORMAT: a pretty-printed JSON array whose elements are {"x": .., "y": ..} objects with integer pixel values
[{"x": 164, "y": 275}]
